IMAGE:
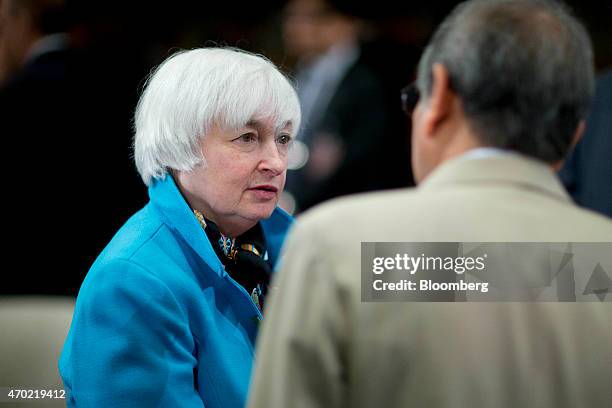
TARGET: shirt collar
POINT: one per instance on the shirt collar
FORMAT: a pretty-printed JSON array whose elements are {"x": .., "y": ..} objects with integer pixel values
[{"x": 484, "y": 152}]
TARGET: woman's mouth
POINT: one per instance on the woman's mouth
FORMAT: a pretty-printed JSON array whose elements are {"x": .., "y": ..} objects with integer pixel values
[{"x": 264, "y": 192}]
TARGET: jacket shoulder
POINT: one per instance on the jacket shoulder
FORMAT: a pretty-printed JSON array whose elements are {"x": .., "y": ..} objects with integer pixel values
[{"x": 145, "y": 245}]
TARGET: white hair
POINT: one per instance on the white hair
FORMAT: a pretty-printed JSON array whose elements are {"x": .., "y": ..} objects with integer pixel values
[{"x": 193, "y": 90}]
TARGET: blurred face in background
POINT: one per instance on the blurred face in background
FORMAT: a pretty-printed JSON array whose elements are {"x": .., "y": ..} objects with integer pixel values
[
  {"x": 311, "y": 27},
  {"x": 243, "y": 176},
  {"x": 15, "y": 38}
]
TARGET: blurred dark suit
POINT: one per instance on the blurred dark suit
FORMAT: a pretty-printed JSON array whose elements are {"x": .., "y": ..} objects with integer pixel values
[
  {"x": 354, "y": 122},
  {"x": 351, "y": 138},
  {"x": 70, "y": 182},
  {"x": 587, "y": 174}
]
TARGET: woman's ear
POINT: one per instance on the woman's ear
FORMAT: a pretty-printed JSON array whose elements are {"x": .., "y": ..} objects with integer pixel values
[{"x": 439, "y": 104}]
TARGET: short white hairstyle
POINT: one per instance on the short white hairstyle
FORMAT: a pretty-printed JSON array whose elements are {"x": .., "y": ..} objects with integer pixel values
[{"x": 194, "y": 90}]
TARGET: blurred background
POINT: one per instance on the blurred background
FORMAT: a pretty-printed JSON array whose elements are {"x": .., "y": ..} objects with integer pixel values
[{"x": 71, "y": 73}]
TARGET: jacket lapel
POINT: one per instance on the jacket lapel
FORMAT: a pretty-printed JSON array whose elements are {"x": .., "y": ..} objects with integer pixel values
[
  {"x": 172, "y": 207},
  {"x": 275, "y": 229}
]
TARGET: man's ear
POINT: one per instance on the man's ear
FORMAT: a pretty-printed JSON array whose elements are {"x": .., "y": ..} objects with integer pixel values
[
  {"x": 577, "y": 136},
  {"x": 440, "y": 101}
]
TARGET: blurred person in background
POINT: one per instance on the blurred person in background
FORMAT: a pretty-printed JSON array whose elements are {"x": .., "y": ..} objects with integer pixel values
[
  {"x": 344, "y": 112},
  {"x": 64, "y": 112},
  {"x": 587, "y": 174},
  {"x": 30, "y": 29},
  {"x": 168, "y": 314},
  {"x": 505, "y": 87}
]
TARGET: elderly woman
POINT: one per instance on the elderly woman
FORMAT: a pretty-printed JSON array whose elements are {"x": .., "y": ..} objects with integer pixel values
[{"x": 167, "y": 315}]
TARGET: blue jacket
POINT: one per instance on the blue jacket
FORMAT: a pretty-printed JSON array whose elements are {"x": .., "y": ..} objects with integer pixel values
[{"x": 158, "y": 321}]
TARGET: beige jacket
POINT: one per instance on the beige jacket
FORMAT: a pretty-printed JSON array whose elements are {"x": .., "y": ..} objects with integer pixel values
[{"x": 321, "y": 346}]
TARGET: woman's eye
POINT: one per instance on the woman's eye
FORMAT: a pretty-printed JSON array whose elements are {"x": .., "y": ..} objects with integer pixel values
[
  {"x": 283, "y": 139},
  {"x": 247, "y": 138}
]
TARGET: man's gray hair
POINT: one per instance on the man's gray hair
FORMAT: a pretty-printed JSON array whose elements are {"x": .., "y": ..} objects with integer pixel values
[
  {"x": 193, "y": 90},
  {"x": 523, "y": 70}
]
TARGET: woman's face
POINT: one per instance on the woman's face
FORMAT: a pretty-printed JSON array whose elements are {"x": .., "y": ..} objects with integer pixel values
[{"x": 243, "y": 176}]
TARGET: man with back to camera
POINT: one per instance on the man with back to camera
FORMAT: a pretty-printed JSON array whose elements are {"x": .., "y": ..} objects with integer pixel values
[{"x": 505, "y": 86}]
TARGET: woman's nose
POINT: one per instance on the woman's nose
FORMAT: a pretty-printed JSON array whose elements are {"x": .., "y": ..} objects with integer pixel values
[{"x": 272, "y": 159}]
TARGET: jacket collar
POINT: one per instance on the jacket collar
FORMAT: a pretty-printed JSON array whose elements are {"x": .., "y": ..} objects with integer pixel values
[
  {"x": 175, "y": 212},
  {"x": 508, "y": 169}
]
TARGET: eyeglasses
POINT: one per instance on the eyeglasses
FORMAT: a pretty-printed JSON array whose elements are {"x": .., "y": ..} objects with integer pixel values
[{"x": 410, "y": 97}]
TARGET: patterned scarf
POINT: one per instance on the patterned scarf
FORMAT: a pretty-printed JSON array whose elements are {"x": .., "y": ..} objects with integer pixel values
[{"x": 244, "y": 257}]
